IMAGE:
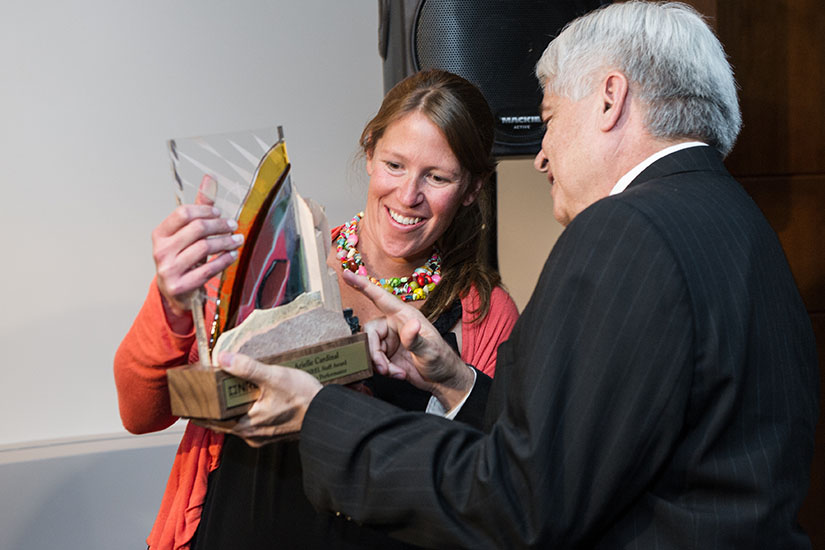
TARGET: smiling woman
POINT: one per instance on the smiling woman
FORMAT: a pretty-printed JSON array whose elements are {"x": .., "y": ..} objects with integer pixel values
[
  {"x": 416, "y": 186},
  {"x": 421, "y": 236},
  {"x": 429, "y": 159}
]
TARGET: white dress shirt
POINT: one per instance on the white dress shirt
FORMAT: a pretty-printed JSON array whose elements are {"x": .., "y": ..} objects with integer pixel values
[{"x": 625, "y": 180}]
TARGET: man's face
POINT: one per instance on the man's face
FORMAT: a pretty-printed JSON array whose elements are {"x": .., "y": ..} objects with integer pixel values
[{"x": 569, "y": 154}]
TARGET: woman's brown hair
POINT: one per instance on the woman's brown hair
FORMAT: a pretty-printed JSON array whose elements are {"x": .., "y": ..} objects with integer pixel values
[{"x": 462, "y": 114}]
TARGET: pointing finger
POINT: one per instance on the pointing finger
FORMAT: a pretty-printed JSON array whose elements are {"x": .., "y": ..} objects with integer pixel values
[{"x": 383, "y": 300}]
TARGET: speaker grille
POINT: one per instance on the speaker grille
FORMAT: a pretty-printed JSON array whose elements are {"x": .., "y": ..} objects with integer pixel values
[{"x": 495, "y": 44}]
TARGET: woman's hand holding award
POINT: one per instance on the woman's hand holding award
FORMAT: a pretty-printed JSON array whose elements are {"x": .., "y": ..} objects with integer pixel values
[{"x": 279, "y": 302}]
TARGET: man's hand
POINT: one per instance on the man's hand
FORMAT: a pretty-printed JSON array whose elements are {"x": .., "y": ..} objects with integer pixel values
[
  {"x": 405, "y": 345},
  {"x": 279, "y": 411}
]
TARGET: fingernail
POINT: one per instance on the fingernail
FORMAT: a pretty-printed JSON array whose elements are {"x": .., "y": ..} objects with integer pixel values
[
  {"x": 225, "y": 358},
  {"x": 216, "y": 211},
  {"x": 238, "y": 238},
  {"x": 233, "y": 253},
  {"x": 233, "y": 225}
]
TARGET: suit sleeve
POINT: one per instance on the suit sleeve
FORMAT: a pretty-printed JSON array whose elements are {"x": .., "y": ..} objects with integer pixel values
[
  {"x": 594, "y": 378},
  {"x": 472, "y": 411}
]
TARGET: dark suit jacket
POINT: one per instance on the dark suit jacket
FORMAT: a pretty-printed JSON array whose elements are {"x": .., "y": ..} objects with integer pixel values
[{"x": 658, "y": 391}]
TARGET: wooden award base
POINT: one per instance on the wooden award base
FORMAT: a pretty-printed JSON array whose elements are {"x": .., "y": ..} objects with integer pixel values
[{"x": 201, "y": 392}]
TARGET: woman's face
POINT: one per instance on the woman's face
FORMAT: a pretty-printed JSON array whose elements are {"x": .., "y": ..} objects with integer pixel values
[{"x": 416, "y": 187}]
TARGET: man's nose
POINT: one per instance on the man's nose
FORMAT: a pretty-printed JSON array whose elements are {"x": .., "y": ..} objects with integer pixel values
[{"x": 540, "y": 162}]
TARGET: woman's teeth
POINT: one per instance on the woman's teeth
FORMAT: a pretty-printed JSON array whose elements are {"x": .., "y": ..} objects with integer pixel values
[{"x": 403, "y": 219}]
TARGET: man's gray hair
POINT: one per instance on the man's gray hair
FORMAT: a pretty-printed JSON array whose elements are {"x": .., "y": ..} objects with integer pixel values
[{"x": 673, "y": 60}]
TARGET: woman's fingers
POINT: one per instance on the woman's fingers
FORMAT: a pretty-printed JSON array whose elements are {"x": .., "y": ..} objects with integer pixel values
[
  {"x": 182, "y": 216},
  {"x": 186, "y": 225},
  {"x": 203, "y": 209},
  {"x": 198, "y": 276},
  {"x": 192, "y": 245},
  {"x": 207, "y": 191},
  {"x": 202, "y": 249},
  {"x": 181, "y": 271}
]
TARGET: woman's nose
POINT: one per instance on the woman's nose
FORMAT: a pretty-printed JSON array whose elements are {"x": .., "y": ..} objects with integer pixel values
[
  {"x": 409, "y": 192},
  {"x": 540, "y": 162}
]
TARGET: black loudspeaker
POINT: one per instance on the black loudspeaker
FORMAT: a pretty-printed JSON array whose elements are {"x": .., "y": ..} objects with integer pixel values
[{"x": 494, "y": 44}]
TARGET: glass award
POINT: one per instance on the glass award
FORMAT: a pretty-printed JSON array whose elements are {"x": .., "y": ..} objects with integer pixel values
[{"x": 278, "y": 302}]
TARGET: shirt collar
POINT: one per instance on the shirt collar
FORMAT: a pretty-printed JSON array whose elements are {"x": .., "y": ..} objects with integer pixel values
[{"x": 625, "y": 180}]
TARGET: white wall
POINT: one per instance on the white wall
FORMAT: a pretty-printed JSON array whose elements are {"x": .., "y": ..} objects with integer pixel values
[
  {"x": 89, "y": 93},
  {"x": 101, "y": 493}
]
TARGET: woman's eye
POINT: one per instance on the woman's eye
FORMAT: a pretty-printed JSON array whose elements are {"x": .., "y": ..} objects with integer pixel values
[
  {"x": 439, "y": 180},
  {"x": 394, "y": 166}
]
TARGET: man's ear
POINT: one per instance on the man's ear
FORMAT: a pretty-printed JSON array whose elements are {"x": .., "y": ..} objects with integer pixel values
[
  {"x": 472, "y": 192},
  {"x": 615, "y": 99}
]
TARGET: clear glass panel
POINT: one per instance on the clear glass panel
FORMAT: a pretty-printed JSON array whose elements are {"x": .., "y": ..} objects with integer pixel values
[{"x": 254, "y": 187}]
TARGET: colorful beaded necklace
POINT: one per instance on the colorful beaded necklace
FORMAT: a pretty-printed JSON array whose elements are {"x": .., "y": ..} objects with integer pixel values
[{"x": 410, "y": 289}]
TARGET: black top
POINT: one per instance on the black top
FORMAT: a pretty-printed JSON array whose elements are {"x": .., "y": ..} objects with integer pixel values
[{"x": 255, "y": 498}]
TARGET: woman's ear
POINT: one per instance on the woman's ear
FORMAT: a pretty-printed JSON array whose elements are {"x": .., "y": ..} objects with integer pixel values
[
  {"x": 472, "y": 192},
  {"x": 369, "y": 163}
]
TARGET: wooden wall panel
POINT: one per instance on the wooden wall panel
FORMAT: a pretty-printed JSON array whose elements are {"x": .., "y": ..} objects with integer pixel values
[
  {"x": 777, "y": 49},
  {"x": 795, "y": 208},
  {"x": 706, "y": 8}
]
